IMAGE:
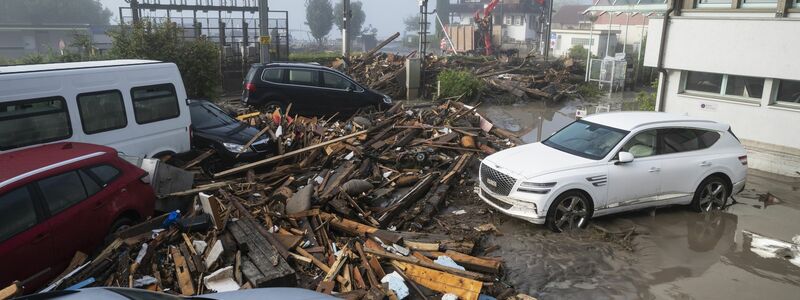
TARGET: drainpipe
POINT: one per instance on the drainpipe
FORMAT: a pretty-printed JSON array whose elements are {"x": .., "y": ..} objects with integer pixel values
[{"x": 663, "y": 75}]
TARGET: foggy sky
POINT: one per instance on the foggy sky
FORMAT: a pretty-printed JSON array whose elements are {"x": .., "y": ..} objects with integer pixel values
[{"x": 385, "y": 15}]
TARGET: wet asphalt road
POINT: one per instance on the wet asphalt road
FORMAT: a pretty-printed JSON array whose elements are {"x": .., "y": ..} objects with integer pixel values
[{"x": 743, "y": 252}]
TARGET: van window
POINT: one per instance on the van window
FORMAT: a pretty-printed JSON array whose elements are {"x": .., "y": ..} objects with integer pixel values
[
  {"x": 303, "y": 77},
  {"x": 102, "y": 111},
  {"x": 36, "y": 121},
  {"x": 334, "y": 81},
  {"x": 273, "y": 75},
  {"x": 154, "y": 103},
  {"x": 16, "y": 213},
  {"x": 62, "y": 191}
]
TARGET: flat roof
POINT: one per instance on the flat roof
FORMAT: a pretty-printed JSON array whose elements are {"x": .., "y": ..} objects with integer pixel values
[
  {"x": 631, "y": 120},
  {"x": 74, "y": 65}
]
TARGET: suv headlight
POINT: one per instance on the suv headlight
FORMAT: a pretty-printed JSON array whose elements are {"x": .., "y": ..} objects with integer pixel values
[
  {"x": 236, "y": 148},
  {"x": 387, "y": 99},
  {"x": 536, "y": 187}
]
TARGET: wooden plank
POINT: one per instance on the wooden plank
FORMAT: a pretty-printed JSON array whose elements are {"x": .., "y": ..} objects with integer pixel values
[
  {"x": 348, "y": 226},
  {"x": 421, "y": 246},
  {"x": 469, "y": 262},
  {"x": 284, "y": 156},
  {"x": 442, "y": 282},
  {"x": 199, "y": 159},
  {"x": 321, "y": 265},
  {"x": 13, "y": 290},
  {"x": 273, "y": 266},
  {"x": 182, "y": 273},
  {"x": 416, "y": 261}
]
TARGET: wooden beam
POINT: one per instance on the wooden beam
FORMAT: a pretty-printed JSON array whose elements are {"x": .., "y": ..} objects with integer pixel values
[
  {"x": 182, "y": 273},
  {"x": 416, "y": 261},
  {"x": 442, "y": 282},
  {"x": 284, "y": 156}
]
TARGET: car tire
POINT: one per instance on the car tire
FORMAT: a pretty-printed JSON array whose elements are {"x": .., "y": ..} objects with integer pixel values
[
  {"x": 270, "y": 107},
  {"x": 119, "y": 225},
  {"x": 712, "y": 193},
  {"x": 570, "y": 210}
]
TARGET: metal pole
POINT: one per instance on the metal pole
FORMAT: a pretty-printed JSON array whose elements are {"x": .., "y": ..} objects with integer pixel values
[
  {"x": 345, "y": 24},
  {"x": 447, "y": 36},
  {"x": 263, "y": 28},
  {"x": 549, "y": 30},
  {"x": 627, "y": 24},
  {"x": 134, "y": 11},
  {"x": 608, "y": 33},
  {"x": 589, "y": 53}
]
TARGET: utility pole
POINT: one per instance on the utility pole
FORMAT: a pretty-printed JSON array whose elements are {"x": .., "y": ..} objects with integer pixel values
[
  {"x": 549, "y": 30},
  {"x": 263, "y": 28},
  {"x": 423, "y": 28},
  {"x": 134, "y": 11},
  {"x": 346, "y": 14}
]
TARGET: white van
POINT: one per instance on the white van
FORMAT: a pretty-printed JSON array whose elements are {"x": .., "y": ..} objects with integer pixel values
[{"x": 138, "y": 107}]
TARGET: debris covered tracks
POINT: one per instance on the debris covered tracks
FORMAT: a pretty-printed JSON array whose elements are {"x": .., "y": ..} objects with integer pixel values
[{"x": 341, "y": 208}]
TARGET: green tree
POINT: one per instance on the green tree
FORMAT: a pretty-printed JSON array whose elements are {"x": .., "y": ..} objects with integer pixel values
[
  {"x": 357, "y": 18},
  {"x": 578, "y": 52},
  {"x": 319, "y": 18},
  {"x": 412, "y": 23},
  {"x": 198, "y": 60},
  {"x": 54, "y": 12}
]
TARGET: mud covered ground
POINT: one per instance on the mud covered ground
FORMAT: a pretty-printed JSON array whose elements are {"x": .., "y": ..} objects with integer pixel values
[{"x": 664, "y": 253}]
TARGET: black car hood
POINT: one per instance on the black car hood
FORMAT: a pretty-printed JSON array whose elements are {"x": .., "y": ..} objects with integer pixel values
[{"x": 233, "y": 133}]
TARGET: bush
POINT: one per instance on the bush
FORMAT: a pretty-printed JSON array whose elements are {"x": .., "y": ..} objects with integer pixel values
[
  {"x": 590, "y": 90},
  {"x": 578, "y": 52},
  {"x": 459, "y": 83},
  {"x": 647, "y": 101}
]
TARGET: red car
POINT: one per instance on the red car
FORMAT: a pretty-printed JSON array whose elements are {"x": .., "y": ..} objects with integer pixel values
[{"x": 61, "y": 198}]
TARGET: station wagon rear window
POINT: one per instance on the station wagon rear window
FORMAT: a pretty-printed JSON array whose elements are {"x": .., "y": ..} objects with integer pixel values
[
  {"x": 35, "y": 121},
  {"x": 155, "y": 103},
  {"x": 16, "y": 213}
]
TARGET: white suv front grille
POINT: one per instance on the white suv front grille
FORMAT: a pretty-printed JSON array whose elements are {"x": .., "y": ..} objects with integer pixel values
[{"x": 496, "y": 181}]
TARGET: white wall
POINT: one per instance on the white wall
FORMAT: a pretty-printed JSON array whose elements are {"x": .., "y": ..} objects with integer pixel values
[{"x": 762, "y": 47}]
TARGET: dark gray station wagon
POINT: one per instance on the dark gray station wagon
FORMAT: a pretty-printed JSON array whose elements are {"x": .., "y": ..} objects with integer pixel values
[{"x": 311, "y": 89}]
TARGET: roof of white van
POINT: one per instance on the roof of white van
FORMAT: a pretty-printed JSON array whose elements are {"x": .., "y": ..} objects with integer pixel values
[
  {"x": 74, "y": 65},
  {"x": 630, "y": 120}
]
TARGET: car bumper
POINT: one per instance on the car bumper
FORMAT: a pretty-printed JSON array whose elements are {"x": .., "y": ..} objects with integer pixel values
[
  {"x": 738, "y": 187},
  {"x": 508, "y": 206}
]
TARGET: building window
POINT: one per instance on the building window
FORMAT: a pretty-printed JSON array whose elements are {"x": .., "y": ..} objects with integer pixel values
[
  {"x": 788, "y": 91},
  {"x": 102, "y": 111},
  {"x": 518, "y": 20},
  {"x": 36, "y": 121},
  {"x": 508, "y": 20},
  {"x": 581, "y": 41},
  {"x": 725, "y": 85},
  {"x": 759, "y": 3},
  {"x": 741, "y": 86},
  {"x": 703, "y": 82},
  {"x": 714, "y": 3},
  {"x": 155, "y": 103}
]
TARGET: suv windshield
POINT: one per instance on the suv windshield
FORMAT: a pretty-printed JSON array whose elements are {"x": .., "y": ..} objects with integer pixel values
[
  {"x": 208, "y": 116},
  {"x": 586, "y": 139}
]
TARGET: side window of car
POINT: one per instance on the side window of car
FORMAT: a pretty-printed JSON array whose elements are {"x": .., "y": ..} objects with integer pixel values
[
  {"x": 674, "y": 140},
  {"x": 155, "y": 103},
  {"x": 273, "y": 75},
  {"x": 62, "y": 191},
  {"x": 105, "y": 173},
  {"x": 643, "y": 144},
  {"x": 707, "y": 138},
  {"x": 17, "y": 213},
  {"x": 91, "y": 185},
  {"x": 102, "y": 111},
  {"x": 334, "y": 81},
  {"x": 303, "y": 77}
]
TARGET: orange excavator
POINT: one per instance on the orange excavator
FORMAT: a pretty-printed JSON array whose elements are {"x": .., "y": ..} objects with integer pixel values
[{"x": 485, "y": 26}]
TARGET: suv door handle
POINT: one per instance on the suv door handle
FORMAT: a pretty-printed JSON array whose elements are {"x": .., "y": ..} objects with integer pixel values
[
  {"x": 654, "y": 169},
  {"x": 705, "y": 164}
]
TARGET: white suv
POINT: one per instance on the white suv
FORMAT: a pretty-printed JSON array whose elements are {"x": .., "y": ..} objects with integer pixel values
[{"x": 613, "y": 162}]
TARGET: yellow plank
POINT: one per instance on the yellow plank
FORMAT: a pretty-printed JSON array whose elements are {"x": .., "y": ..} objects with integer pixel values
[{"x": 442, "y": 282}]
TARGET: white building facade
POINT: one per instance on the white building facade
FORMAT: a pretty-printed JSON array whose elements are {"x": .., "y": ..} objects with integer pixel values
[{"x": 736, "y": 62}]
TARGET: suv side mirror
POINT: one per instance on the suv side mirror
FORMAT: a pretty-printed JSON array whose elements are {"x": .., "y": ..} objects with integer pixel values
[{"x": 624, "y": 157}]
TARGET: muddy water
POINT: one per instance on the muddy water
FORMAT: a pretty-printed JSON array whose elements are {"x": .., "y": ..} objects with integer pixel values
[{"x": 674, "y": 253}]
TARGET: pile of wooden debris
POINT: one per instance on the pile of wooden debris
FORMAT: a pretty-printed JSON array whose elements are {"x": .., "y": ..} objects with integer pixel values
[{"x": 340, "y": 209}]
